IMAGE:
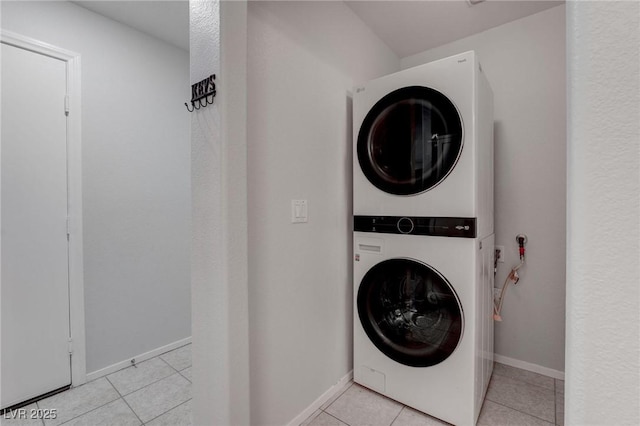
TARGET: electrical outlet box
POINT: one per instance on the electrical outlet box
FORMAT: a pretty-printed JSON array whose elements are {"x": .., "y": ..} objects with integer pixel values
[{"x": 500, "y": 252}]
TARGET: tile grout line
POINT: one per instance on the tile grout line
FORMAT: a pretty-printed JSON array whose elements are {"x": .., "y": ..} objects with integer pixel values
[
  {"x": 163, "y": 360},
  {"x": 92, "y": 410},
  {"x": 338, "y": 397},
  {"x": 149, "y": 384},
  {"x": 167, "y": 362},
  {"x": 152, "y": 383},
  {"x": 397, "y": 415},
  {"x": 554, "y": 390},
  {"x": 311, "y": 418},
  {"x": 556, "y": 402},
  {"x": 146, "y": 386},
  {"x": 42, "y": 420},
  {"x": 519, "y": 411},
  {"x": 536, "y": 387},
  {"x": 162, "y": 414},
  {"x": 340, "y": 420},
  {"x": 125, "y": 401},
  {"x": 120, "y": 396},
  {"x": 180, "y": 373},
  {"x": 132, "y": 410},
  {"x": 177, "y": 371},
  {"x": 174, "y": 369},
  {"x": 555, "y": 408},
  {"x": 124, "y": 368},
  {"x": 172, "y": 350},
  {"x": 525, "y": 381},
  {"x": 346, "y": 388}
]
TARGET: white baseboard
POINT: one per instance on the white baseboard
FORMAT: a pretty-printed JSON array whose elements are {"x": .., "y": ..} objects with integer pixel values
[
  {"x": 315, "y": 405},
  {"x": 556, "y": 374},
  {"x": 139, "y": 358}
]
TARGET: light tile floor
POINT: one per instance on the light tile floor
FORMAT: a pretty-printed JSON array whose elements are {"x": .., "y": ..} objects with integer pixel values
[
  {"x": 157, "y": 392},
  {"x": 515, "y": 397}
]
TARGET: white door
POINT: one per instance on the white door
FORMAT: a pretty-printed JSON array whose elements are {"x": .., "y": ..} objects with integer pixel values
[{"x": 34, "y": 247}]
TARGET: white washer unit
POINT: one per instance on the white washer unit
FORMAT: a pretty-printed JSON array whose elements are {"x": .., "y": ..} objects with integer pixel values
[
  {"x": 423, "y": 143},
  {"x": 423, "y": 326}
]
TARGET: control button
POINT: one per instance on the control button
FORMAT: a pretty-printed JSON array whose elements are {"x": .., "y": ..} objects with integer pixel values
[{"x": 405, "y": 225}]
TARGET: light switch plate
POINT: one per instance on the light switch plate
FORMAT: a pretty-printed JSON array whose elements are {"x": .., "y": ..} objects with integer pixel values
[{"x": 299, "y": 213}]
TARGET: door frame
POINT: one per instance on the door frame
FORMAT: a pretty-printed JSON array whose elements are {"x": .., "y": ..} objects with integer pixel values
[{"x": 74, "y": 196}]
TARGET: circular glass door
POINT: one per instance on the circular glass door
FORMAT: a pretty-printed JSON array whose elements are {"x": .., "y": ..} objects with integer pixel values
[
  {"x": 410, "y": 140},
  {"x": 410, "y": 312}
]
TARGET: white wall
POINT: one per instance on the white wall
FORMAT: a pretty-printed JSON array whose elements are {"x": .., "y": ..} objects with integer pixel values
[
  {"x": 603, "y": 272},
  {"x": 525, "y": 63},
  {"x": 136, "y": 183},
  {"x": 304, "y": 58},
  {"x": 218, "y": 38}
]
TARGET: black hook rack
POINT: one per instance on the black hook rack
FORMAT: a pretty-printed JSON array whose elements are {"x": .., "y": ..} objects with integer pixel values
[{"x": 200, "y": 93}]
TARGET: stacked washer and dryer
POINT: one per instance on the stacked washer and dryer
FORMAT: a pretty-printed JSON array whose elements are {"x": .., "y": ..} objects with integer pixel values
[{"x": 423, "y": 237}]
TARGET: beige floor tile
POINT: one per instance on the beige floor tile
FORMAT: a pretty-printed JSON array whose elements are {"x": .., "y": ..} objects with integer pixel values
[
  {"x": 324, "y": 419},
  {"x": 116, "y": 413},
  {"x": 494, "y": 414},
  {"x": 522, "y": 396},
  {"x": 159, "y": 397},
  {"x": 187, "y": 373},
  {"x": 337, "y": 395},
  {"x": 410, "y": 417},
  {"x": 178, "y": 358},
  {"x": 361, "y": 406},
  {"x": 560, "y": 408},
  {"x": 179, "y": 416},
  {"x": 136, "y": 377},
  {"x": 524, "y": 375},
  {"x": 311, "y": 417},
  {"x": 80, "y": 400}
]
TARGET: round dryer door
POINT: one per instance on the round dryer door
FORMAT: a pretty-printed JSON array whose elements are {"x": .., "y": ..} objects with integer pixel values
[
  {"x": 410, "y": 312},
  {"x": 410, "y": 140}
]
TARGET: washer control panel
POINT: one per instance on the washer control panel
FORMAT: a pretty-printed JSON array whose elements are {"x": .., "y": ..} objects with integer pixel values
[{"x": 461, "y": 227}]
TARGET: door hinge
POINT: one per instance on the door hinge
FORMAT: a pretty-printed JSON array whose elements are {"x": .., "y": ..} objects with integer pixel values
[
  {"x": 70, "y": 345},
  {"x": 68, "y": 227},
  {"x": 66, "y": 105}
]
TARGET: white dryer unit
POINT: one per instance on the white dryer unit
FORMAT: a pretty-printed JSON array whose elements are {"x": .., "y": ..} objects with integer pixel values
[
  {"x": 423, "y": 326},
  {"x": 423, "y": 143}
]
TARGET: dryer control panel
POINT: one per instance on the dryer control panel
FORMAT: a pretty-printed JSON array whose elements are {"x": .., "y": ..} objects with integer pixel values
[{"x": 460, "y": 227}]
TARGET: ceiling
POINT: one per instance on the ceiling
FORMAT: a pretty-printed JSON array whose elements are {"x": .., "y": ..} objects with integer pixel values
[
  {"x": 164, "y": 19},
  {"x": 407, "y": 27},
  {"x": 410, "y": 27}
]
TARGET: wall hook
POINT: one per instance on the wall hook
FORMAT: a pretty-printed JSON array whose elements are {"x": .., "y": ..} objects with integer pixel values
[{"x": 200, "y": 93}]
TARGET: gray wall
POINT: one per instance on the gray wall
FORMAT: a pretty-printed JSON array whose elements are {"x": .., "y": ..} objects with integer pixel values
[
  {"x": 218, "y": 43},
  {"x": 136, "y": 182},
  {"x": 603, "y": 268},
  {"x": 525, "y": 63},
  {"x": 304, "y": 58}
]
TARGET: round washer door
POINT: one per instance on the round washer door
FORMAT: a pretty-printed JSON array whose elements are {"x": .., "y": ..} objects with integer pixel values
[
  {"x": 410, "y": 312},
  {"x": 410, "y": 140}
]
